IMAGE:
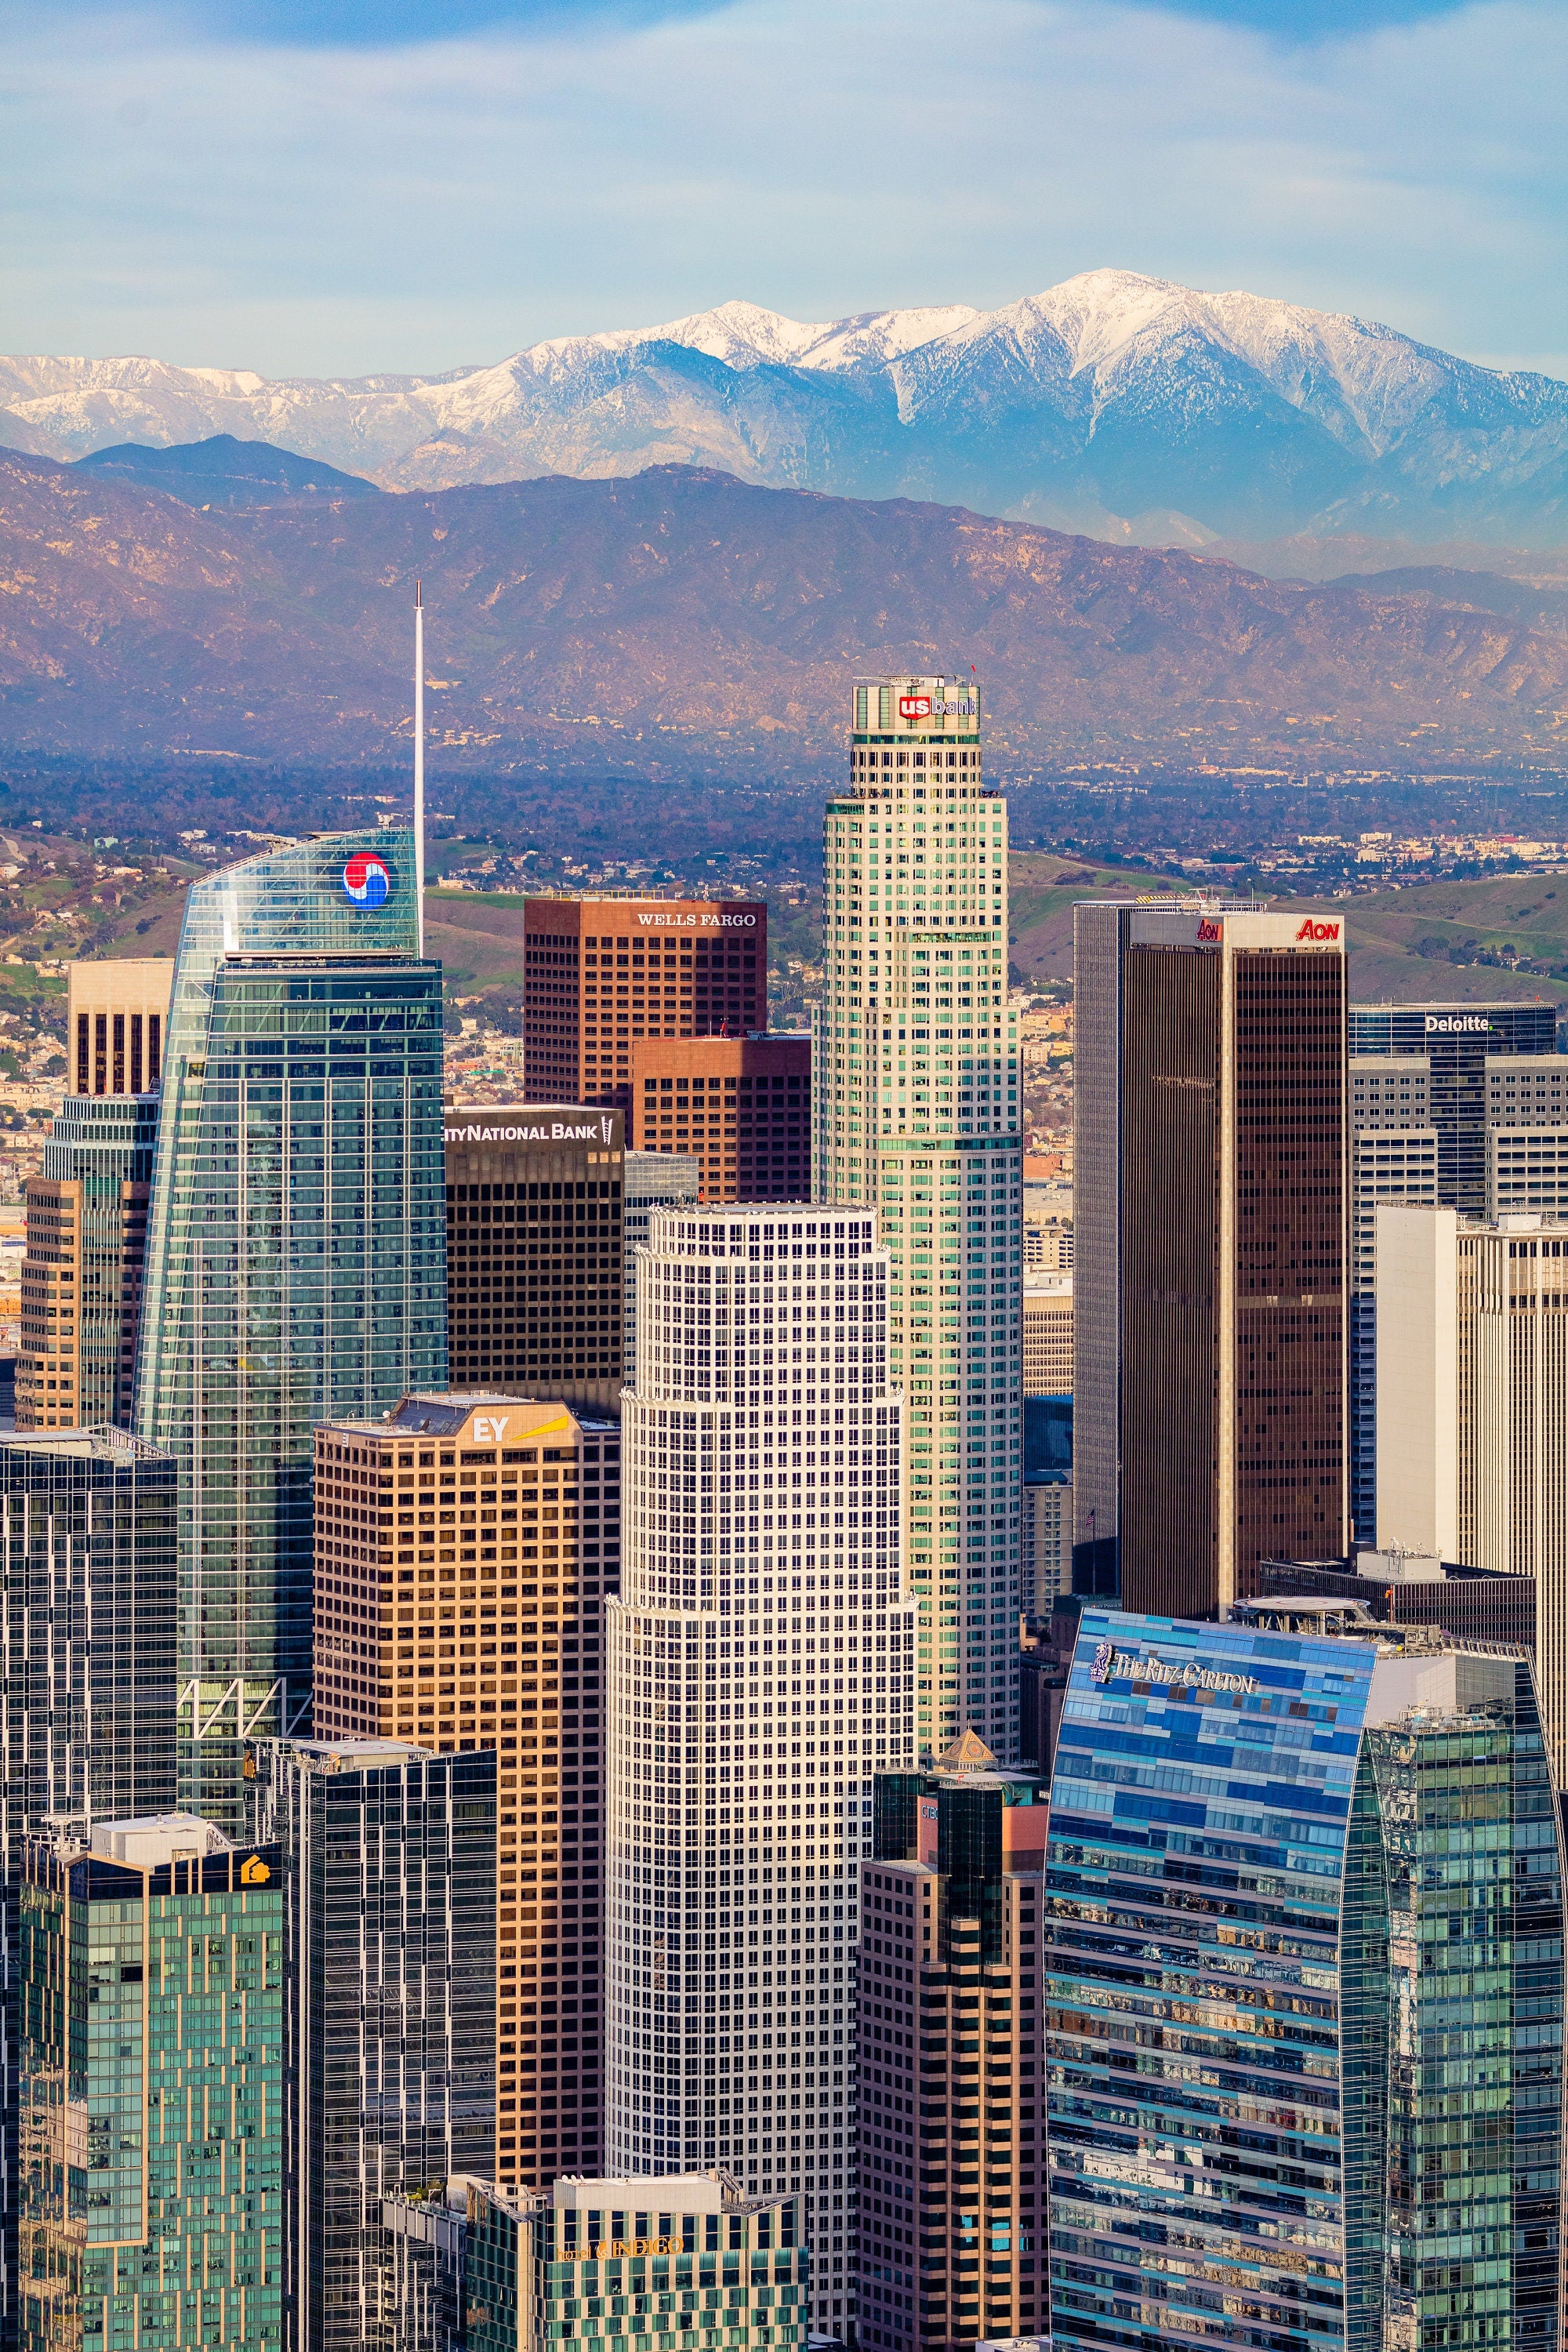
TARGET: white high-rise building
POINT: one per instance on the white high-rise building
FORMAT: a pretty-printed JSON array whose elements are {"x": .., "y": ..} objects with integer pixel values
[
  {"x": 1472, "y": 1404},
  {"x": 761, "y": 1671},
  {"x": 915, "y": 1083}
]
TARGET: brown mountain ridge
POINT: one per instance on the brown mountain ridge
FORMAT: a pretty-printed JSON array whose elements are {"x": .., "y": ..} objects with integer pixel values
[{"x": 681, "y": 618}]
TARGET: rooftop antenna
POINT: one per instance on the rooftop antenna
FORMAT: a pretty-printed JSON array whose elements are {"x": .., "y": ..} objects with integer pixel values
[{"x": 419, "y": 761}]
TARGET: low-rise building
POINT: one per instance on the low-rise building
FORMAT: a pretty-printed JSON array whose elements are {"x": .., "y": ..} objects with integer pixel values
[{"x": 662, "y": 2262}]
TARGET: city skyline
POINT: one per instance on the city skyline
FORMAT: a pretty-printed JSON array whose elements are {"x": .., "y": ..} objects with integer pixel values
[{"x": 686, "y": 1836}]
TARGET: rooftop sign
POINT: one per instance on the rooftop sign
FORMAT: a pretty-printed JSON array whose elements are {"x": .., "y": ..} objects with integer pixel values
[{"x": 1111, "y": 1665}]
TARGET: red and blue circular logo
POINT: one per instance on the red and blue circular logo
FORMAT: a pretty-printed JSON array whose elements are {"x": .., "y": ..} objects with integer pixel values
[{"x": 367, "y": 880}]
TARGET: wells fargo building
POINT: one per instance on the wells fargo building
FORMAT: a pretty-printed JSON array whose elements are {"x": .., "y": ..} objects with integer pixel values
[{"x": 1209, "y": 1353}]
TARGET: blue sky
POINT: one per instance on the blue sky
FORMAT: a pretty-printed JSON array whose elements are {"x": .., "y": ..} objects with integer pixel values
[{"x": 326, "y": 187}]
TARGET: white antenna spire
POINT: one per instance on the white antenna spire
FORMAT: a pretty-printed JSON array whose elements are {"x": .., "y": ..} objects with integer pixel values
[{"x": 419, "y": 760}]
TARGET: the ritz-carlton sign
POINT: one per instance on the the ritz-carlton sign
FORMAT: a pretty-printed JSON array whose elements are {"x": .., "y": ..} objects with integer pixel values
[{"x": 1112, "y": 1664}]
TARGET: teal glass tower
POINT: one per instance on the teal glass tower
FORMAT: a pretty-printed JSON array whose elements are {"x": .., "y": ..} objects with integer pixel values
[
  {"x": 1302, "y": 1943},
  {"x": 296, "y": 1255},
  {"x": 150, "y": 2101}
]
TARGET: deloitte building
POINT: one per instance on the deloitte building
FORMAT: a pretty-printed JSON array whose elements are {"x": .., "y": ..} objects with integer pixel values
[
  {"x": 296, "y": 1250},
  {"x": 1303, "y": 1949}
]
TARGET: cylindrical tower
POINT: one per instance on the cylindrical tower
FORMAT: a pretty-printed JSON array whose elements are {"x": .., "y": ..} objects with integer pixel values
[{"x": 761, "y": 1671}]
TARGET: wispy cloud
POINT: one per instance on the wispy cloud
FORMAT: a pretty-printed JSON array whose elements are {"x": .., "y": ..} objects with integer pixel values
[{"x": 348, "y": 208}]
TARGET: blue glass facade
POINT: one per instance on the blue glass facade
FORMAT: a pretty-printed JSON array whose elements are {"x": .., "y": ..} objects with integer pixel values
[
  {"x": 296, "y": 1259},
  {"x": 1261, "y": 2128}
]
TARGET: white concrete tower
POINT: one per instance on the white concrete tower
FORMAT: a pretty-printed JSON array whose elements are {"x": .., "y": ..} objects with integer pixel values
[
  {"x": 761, "y": 1671},
  {"x": 916, "y": 1110}
]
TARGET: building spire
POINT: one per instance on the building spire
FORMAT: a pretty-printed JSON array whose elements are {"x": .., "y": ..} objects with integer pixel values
[{"x": 419, "y": 761}]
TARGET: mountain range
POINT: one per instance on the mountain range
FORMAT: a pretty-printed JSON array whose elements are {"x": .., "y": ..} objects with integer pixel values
[
  {"x": 682, "y": 622},
  {"x": 1116, "y": 404}
]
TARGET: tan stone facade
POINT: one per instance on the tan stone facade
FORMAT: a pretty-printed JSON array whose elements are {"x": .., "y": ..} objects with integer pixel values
[{"x": 463, "y": 1551}]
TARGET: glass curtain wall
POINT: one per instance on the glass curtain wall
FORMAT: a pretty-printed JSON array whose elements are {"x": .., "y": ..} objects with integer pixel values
[{"x": 296, "y": 1264}]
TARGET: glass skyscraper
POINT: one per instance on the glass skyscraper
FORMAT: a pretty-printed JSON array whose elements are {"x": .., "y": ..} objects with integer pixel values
[
  {"x": 391, "y": 2039},
  {"x": 1302, "y": 1947},
  {"x": 296, "y": 1256},
  {"x": 87, "y": 1632},
  {"x": 150, "y": 2105}
]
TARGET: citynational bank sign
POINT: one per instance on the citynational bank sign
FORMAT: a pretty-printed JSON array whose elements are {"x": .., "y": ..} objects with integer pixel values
[{"x": 530, "y": 1125}]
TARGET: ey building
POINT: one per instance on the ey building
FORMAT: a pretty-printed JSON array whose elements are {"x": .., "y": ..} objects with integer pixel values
[
  {"x": 296, "y": 1253},
  {"x": 763, "y": 1448},
  {"x": 534, "y": 1270},
  {"x": 915, "y": 1085},
  {"x": 467, "y": 1546},
  {"x": 1379, "y": 1823},
  {"x": 1210, "y": 1248}
]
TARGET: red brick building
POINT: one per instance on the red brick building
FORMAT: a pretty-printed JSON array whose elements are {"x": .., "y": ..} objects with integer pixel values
[
  {"x": 599, "y": 974},
  {"x": 740, "y": 1106}
]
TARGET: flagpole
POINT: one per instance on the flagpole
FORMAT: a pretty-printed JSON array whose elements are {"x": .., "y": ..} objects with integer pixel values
[{"x": 419, "y": 760}]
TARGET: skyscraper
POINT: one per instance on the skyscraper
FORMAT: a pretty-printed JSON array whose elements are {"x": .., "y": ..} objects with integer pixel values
[
  {"x": 391, "y": 2041},
  {"x": 150, "y": 2113},
  {"x": 116, "y": 1017},
  {"x": 915, "y": 1102},
  {"x": 1047, "y": 1335},
  {"x": 535, "y": 1265},
  {"x": 87, "y": 1211},
  {"x": 598, "y": 973},
  {"x": 1351, "y": 2133},
  {"x": 1472, "y": 1396},
  {"x": 1436, "y": 1092},
  {"x": 653, "y": 1180},
  {"x": 952, "y": 2043},
  {"x": 296, "y": 1260},
  {"x": 741, "y": 1106},
  {"x": 86, "y": 1602},
  {"x": 477, "y": 1623},
  {"x": 1210, "y": 1249},
  {"x": 761, "y": 1672}
]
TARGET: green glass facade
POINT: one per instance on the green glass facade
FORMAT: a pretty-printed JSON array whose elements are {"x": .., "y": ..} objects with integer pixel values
[
  {"x": 648, "y": 2272},
  {"x": 296, "y": 1258},
  {"x": 1304, "y": 1975},
  {"x": 87, "y": 1630},
  {"x": 151, "y": 2103},
  {"x": 1459, "y": 2011}
]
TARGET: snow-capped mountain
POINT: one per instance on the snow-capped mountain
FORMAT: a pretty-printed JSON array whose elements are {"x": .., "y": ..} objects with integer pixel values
[{"x": 1115, "y": 403}]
